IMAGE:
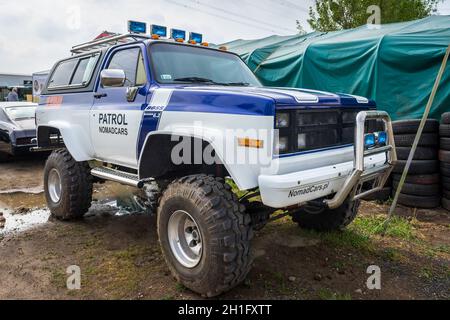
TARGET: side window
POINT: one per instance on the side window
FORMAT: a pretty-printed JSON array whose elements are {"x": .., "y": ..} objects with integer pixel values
[
  {"x": 132, "y": 63},
  {"x": 63, "y": 73},
  {"x": 74, "y": 72},
  {"x": 85, "y": 68}
]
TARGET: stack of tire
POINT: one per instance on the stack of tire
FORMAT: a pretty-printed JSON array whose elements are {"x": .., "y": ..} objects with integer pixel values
[
  {"x": 444, "y": 157},
  {"x": 422, "y": 187}
]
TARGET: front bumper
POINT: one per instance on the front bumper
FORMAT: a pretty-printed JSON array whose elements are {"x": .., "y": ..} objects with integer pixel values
[{"x": 366, "y": 174}]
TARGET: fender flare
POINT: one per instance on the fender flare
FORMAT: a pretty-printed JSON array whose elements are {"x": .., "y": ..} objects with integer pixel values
[
  {"x": 76, "y": 139},
  {"x": 244, "y": 179}
]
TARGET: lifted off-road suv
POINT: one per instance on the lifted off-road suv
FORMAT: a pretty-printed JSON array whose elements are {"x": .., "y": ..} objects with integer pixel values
[{"x": 183, "y": 123}]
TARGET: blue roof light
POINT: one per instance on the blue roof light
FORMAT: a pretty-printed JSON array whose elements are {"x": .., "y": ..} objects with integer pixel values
[
  {"x": 178, "y": 34},
  {"x": 195, "y": 37},
  {"x": 160, "y": 31},
  {"x": 137, "y": 27}
]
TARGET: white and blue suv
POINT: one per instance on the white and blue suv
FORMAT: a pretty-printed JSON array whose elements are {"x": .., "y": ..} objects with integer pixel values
[{"x": 184, "y": 122}]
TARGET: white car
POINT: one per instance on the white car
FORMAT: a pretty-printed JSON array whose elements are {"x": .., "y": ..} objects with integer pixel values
[{"x": 183, "y": 121}]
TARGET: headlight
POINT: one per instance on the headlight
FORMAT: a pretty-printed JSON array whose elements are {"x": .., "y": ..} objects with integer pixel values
[
  {"x": 370, "y": 140},
  {"x": 282, "y": 120},
  {"x": 381, "y": 138}
]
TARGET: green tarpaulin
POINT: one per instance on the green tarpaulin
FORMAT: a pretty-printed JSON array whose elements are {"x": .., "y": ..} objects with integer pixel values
[{"x": 396, "y": 64}]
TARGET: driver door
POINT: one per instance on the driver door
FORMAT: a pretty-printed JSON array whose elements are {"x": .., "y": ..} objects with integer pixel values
[{"x": 116, "y": 115}]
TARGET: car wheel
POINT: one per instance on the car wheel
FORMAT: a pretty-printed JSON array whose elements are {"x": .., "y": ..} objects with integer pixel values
[
  {"x": 67, "y": 185},
  {"x": 205, "y": 235}
]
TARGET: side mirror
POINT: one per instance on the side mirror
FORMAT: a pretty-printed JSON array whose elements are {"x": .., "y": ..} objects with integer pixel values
[{"x": 112, "y": 78}]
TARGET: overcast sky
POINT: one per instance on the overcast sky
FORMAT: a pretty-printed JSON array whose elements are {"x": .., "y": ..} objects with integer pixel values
[{"x": 34, "y": 34}]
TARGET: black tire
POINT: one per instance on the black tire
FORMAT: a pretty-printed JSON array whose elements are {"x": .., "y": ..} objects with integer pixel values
[
  {"x": 419, "y": 202},
  {"x": 224, "y": 228},
  {"x": 418, "y": 167},
  {"x": 419, "y": 189},
  {"x": 426, "y": 140},
  {"x": 446, "y": 182},
  {"x": 382, "y": 195},
  {"x": 444, "y": 130},
  {"x": 412, "y": 126},
  {"x": 445, "y": 169},
  {"x": 327, "y": 220},
  {"x": 446, "y": 118},
  {"x": 425, "y": 179},
  {"x": 76, "y": 186},
  {"x": 445, "y": 144},
  {"x": 446, "y": 203},
  {"x": 421, "y": 153},
  {"x": 444, "y": 156}
]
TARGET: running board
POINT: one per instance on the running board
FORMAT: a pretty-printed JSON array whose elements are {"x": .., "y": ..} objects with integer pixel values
[{"x": 125, "y": 178}]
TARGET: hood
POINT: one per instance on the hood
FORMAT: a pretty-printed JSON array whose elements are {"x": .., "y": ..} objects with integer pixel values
[
  {"x": 25, "y": 124},
  {"x": 294, "y": 96},
  {"x": 250, "y": 100}
]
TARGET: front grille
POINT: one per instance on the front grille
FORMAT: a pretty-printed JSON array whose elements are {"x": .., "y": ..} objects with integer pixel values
[{"x": 306, "y": 130}]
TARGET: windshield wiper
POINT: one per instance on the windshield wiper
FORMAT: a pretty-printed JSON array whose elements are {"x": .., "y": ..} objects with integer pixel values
[
  {"x": 236, "y": 84},
  {"x": 195, "y": 80}
]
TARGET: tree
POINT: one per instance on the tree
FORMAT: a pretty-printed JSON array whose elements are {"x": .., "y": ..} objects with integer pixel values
[{"x": 331, "y": 15}]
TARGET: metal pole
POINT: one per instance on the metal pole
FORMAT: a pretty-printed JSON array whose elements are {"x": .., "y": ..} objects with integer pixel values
[{"x": 419, "y": 134}]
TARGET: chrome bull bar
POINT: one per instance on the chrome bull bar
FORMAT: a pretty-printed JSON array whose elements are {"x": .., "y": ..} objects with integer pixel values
[{"x": 353, "y": 186}]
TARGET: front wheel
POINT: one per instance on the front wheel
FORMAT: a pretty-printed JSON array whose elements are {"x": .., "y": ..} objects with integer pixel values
[
  {"x": 67, "y": 185},
  {"x": 326, "y": 220},
  {"x": 205, "y": 235}
]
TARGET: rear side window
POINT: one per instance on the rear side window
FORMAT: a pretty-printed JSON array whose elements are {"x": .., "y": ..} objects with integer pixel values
[
  {"x": 75, "y": 72},
  {"x": 63, "y": 74}
]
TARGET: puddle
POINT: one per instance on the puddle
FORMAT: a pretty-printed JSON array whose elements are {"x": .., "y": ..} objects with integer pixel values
[
  {"x": 23, "y": 210},
  {"x": 16, "y": 223}
]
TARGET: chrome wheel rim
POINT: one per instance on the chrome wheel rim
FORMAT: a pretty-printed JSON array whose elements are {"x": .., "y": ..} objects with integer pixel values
[
  {"x": 54, "y": 185},
  {"x": 185, "y": 239}
]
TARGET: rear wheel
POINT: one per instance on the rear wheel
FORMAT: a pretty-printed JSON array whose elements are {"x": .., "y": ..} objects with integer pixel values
[
  {"x": 324, "y": 219},
  {"x": 68, "y": 186},
  {"x": 205, "y": 234}
]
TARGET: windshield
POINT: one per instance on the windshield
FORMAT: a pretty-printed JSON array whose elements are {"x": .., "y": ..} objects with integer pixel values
[
  {"x": 174, "y": 63},
  {"x": 18, "y": 113}
]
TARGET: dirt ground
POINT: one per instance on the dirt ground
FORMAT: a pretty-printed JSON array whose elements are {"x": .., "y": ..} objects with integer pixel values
[{"x": 120, "y": 258}]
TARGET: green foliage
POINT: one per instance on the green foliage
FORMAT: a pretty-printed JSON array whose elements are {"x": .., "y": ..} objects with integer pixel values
[{"x": 332, "y": 15}]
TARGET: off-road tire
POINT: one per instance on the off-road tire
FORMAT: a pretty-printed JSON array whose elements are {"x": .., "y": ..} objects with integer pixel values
[
  {"x": 446, "y": 118},
  {"x": 418, "y": 189},
  {"x": 446, "y": 182},
  {"x": 444, "y": 156},
  {"x": 419, "y": 202},
  {"x": 424, "y": 179},
  {"x": 444, "y": 130},
  {"x": 418, "y": 167},
  {"x": 382, "y": 195},
  {"x": 426, "y": 140},
  {"x": 445, "y": 144},
  {"x": 225, "y": 228},
  {"x": 421, "y": 153},
  {"x": 327, "y": 220},
  {"x": 412, "y": 126},
  {"x": 76, "y": 186},
  {"x": 446, "y": 203}
]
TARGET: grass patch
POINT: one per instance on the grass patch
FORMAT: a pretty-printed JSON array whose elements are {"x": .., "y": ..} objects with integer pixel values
[
  {"x": 373, "y": 225},
  {"x": 327, "y": 294}
]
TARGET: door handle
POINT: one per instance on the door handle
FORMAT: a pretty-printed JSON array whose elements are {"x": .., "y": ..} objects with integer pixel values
[{"x": 100, "y": 95}]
